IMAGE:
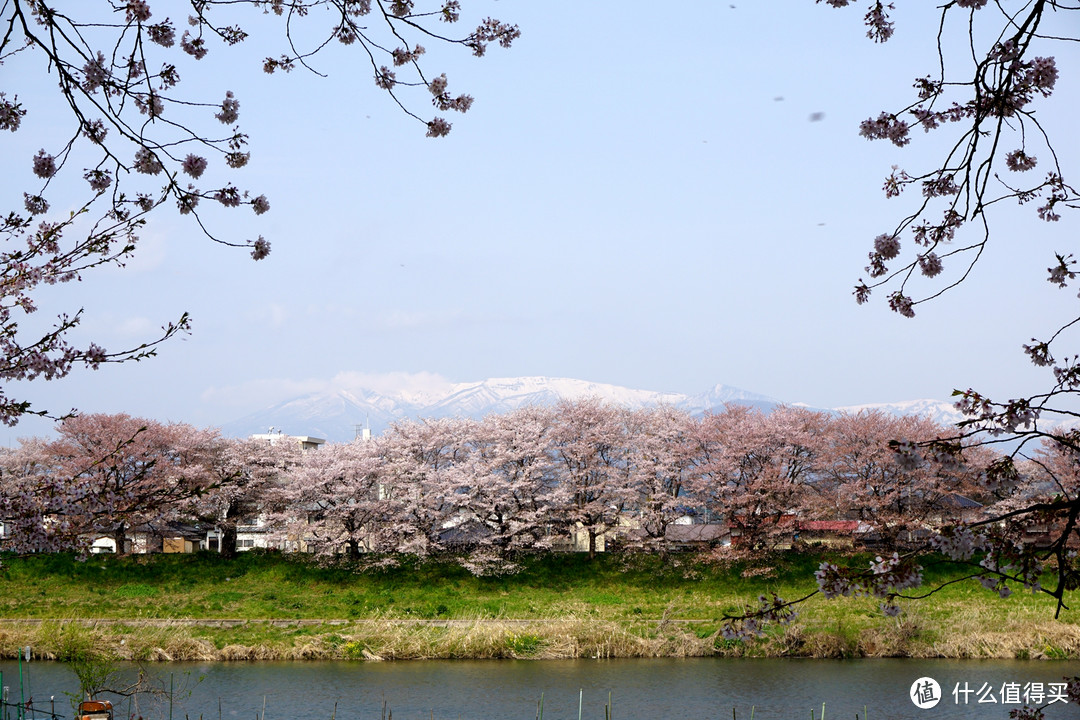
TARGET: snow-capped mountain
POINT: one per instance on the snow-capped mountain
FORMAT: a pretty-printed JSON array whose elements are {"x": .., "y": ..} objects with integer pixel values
[
  {"x": 939, "y": 411},
  {"x": 503, "y": 394},
  {"x": 333, "y": 415},
  {"x": 336, "y": 414},
  {"x": 720, "y": 395},
  {"x": 339, "y": 413}
]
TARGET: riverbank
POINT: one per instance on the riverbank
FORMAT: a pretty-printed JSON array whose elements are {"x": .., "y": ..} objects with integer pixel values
[{"x": 266, "y": 606}]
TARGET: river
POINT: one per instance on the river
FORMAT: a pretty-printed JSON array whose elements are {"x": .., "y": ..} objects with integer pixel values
[{"x": 695, "y": 689}]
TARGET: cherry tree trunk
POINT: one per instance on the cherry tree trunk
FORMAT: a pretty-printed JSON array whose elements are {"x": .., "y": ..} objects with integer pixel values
[
  {"x": 119, "y": 536},
  {"x": 227, "y": 540}
]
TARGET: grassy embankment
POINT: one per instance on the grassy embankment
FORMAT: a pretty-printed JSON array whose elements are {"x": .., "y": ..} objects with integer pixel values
[{"x": 558, "y": 606}]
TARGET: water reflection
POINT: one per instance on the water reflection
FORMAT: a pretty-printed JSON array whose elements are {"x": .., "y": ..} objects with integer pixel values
[{"x": 510, "y": 690}]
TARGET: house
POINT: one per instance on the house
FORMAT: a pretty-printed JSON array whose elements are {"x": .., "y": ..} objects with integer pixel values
[
  {"x": 251, "y": 533},
  {"x": 576, "y": 538},
  {"x": 274, "y": 436},
  {"x": 180, "y": 545},
  {"x": 953, "y": 509},
  {"x": 774, "y": 531},
  {"x": 141, "y": 540},
  {"x": 464, "y": 535},
  {"x": 180, "y": 538},
  {"x": 102, "y": 546},
  {"x": 832, "y": 533},
  {"x": 697, "y": 537},
  {"x": 147, "y": 538},
  {"x": 682, "y": 535},
  {"x": 255, "y": 532},
  {"x": 1044, "y": 532}
]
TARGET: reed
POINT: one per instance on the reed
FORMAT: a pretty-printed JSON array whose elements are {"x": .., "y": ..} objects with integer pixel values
[{"x": 570, "y": 637}]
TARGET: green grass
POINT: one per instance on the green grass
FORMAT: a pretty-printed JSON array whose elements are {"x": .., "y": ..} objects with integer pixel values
[
  {"x": 267, "y": 585},
  {"x": 270, "y": 586},
  {"x": 631, "y": 593}
]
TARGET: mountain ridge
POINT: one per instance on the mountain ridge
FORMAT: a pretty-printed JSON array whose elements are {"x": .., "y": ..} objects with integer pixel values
[{"x": 338, "y": 413}]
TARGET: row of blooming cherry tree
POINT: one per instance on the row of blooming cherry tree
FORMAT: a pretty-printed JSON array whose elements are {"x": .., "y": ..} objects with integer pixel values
[{"x": 521, "y": 481}]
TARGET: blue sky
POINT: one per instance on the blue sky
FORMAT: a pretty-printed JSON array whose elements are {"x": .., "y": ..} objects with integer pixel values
[{"x": 637, "y": 197}]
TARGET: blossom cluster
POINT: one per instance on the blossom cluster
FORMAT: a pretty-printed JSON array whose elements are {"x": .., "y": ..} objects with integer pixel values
[
  {"x": 901, "y": 303},
  {"x": 959, "y": 542},
  {"x": 1019, "y": 161},
  {"x": 877, "y": 20},
  {"x": 1067, "y": 375},
  {"x": 194, "y": 46},
  {"x": 44, "y": 164},
  {"x": 930, "y": 264},
  {"x": 886, "y": 578},
  {"x": 138, "y": 11},
  {"x": 11, "y": 113},
  {"x": 1062, "y": 272},
  {"x": 194, "y": 166},
  {"x": 99, "y": 180},
  {"x": 1003, "y": 85},
  {"x": 489, "y": 31},
  {"x": 943, "y": 184},
  {"x": 260, "y": 249},
  {"x": 230, "y": 109},
  {"x": 438, "y": 127},
  {"x": 404, "y": 56},
  {"x": 162, "y": 34},
  {"x": 147, "y": 162},
  {"x": 1039, "y": 353},
  {"x": 999, "y": 418},
  {"x": 751, "y": 625},
  {"x": 150, "y": 104},
  {"x": 886, "y": 127},
  {"x": 95, "y": 73}
]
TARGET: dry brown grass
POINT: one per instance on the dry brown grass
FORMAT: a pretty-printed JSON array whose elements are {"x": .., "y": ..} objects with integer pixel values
[
  {"x": 964, "y": 633},
  {"x": 1026, "y": 634},
  {"x": 58, "y": 640},
  {"x": 169, "y": 643}
]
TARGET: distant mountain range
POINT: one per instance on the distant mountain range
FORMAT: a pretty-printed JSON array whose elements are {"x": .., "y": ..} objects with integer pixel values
[
  {"x": 338, "y": 414},
  {"x": 944, "y": 413}
]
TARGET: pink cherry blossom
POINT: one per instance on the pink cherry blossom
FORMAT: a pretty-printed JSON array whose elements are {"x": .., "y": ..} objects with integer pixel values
[{"x": 44, "y": 165}]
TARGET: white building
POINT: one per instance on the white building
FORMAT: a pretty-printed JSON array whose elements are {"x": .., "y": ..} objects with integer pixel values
[
  {"x": 274, "y": 436},
  {"x": 256, "y": 532}
]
